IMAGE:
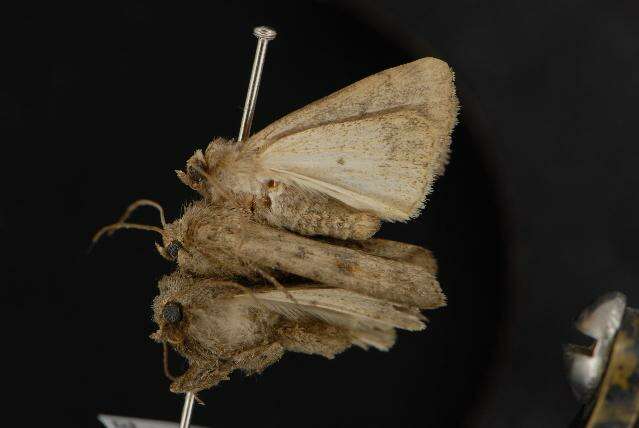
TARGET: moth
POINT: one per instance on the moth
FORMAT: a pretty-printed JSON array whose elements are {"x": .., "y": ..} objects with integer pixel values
[
  {"x": 340, "y": 165},
  {"x": 336, "y": 169},
  {"x": 220, "y": 327},
  {"x": 221, "y": 240}
]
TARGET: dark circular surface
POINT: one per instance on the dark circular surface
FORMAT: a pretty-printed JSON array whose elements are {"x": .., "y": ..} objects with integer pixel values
[{"x": 172, "y": 312}]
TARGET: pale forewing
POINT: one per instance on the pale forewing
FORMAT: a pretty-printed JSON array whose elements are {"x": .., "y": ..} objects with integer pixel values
[
  {"x": 376, "y": 145},
  {"x": 339, "y": 307},
  {"x": 369, "y": 321}
]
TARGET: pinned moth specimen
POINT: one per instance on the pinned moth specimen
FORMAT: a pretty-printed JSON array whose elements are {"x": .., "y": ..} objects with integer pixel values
[
  {"x": 220, "y": 327},
  {"x": 220, "y": 240},
  {"x": 335, "y": 168},
  {"x": 338, "y": 166}
]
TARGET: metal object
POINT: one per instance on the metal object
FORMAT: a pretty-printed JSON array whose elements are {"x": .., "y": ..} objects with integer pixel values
[
  {"x": 605, "y": 376},
  {"x": 600, "y": 321},
  {"x": 264, "y": 35},
  {"x": 187, "y": 410}
]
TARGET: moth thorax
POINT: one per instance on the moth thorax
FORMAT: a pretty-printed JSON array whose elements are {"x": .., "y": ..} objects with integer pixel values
[
  {"x": 218, "y": 152},
  {"x": 230, "y": 325}
]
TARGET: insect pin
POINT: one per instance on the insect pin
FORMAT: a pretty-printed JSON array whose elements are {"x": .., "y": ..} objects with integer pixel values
[{"x": 334, "y": 170}]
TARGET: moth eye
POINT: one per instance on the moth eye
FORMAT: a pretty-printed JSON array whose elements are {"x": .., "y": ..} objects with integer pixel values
[
  {"x": 172, "y": 312},
  {"x": 173, "y": 249},
  {"x": 194, "y": 174}
]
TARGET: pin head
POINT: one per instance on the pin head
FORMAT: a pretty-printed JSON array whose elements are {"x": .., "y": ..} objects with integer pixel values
[{"x": 264, "y": 32}]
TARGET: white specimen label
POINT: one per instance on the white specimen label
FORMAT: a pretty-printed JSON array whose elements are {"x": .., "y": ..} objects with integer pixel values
[{"x": 111, "y": 421}]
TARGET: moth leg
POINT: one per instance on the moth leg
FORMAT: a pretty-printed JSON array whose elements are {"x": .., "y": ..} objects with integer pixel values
[
  {"x": 270, "y": 278},
  {"x": 167, "y": 371},
  {"x": 199, "y": 377},
  {"x": 255, "y": 360}
]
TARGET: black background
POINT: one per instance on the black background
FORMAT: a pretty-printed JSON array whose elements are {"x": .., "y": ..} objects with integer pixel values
[{"x": 536, "y": 215}]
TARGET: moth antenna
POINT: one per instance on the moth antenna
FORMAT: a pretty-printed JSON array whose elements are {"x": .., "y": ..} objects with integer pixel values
[
  {"x": 270, "y": 278},
  {"x": 141, "y": 203},
  {"x": 117, "y": 226}
]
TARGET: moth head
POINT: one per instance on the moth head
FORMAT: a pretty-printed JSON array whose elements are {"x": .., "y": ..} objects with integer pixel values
[
  {"x": 196, "y": 173},
  {"x": 171, "y": 326},
  {"x": 172, "y": 245},
  {"x": 202, "y": 172},
  {"x": 170, "y": 311},
  {"x": 170, "y": 251}
]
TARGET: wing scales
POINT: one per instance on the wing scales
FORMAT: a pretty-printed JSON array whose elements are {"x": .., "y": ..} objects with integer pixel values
[
  {"x": 371, "y": 321},
  {"x": 383, "y": 164},
  {"x": 376, "y": 145}
]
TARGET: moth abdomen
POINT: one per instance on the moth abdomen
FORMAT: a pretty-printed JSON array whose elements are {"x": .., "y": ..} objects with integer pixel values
[{"x": 309, "y": 213}]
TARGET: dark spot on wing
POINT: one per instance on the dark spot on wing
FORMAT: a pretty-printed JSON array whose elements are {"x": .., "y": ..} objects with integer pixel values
[
  {"x": 345, "y": 266},
  {"x": 301, "y": 252}
]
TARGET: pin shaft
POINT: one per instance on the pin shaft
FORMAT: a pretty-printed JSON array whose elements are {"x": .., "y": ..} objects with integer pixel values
[
  {"x": 187, "y": 410},
  {"x": 264, "y": 35}
]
